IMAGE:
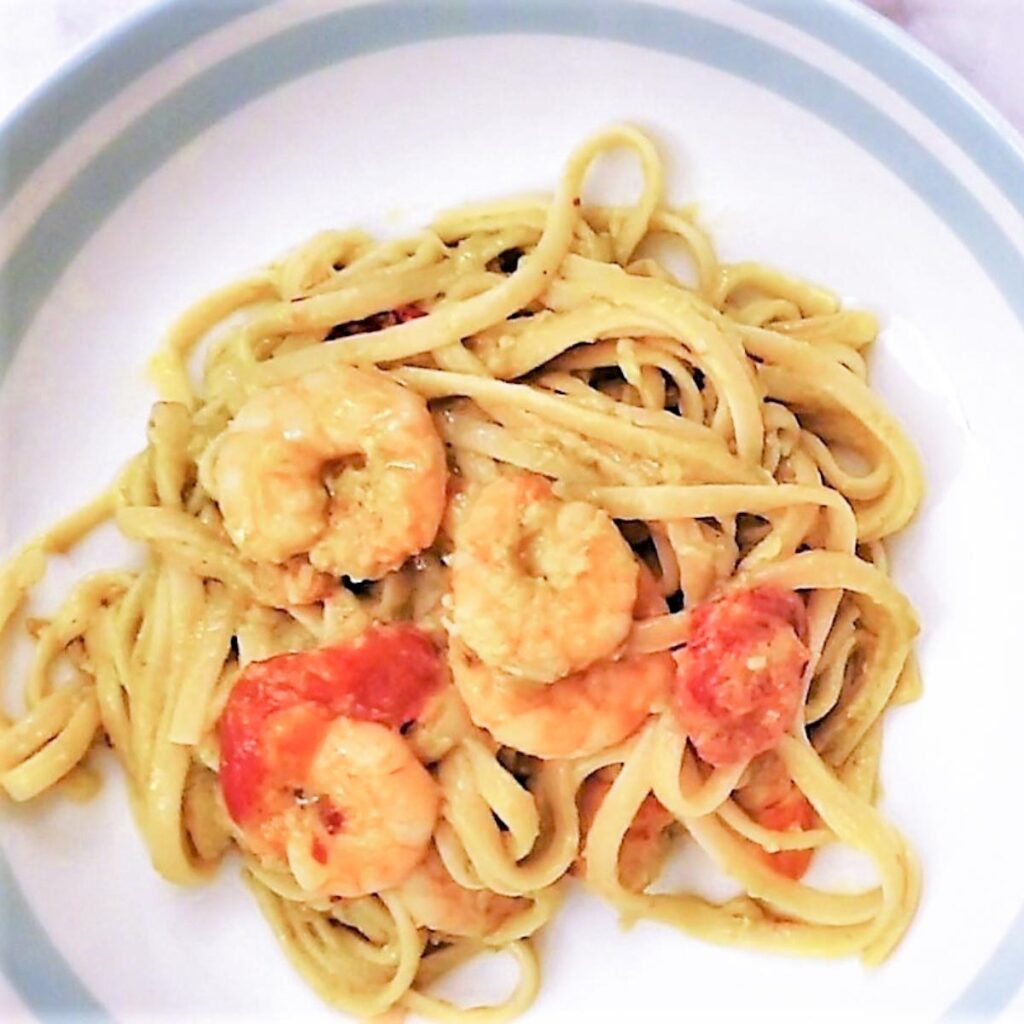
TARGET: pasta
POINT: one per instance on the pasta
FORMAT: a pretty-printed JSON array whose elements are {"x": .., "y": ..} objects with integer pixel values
[{"x": 483, "y": 558}]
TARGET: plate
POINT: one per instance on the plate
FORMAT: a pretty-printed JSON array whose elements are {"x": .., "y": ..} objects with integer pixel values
[{"x": 203, "y": 139}]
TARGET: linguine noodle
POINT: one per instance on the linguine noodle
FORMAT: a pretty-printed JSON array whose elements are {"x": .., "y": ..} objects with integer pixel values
[{"x": 724, "y": 423}]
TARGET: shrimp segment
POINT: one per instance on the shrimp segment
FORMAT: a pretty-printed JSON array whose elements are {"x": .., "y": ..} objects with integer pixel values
[
  {"x": 645, "y": 844},
  {"x": 436, "y": 901},
  {"x": 363, "y": 817},
  {"x": 773, "y": 800},
  {"x": 313, "y": 770},
  {"x": 572, "y": 717},
  {"x": 342, "y": 464},
  {"x": 542, "y": 587},
  {"x": 740, "y": 676}
]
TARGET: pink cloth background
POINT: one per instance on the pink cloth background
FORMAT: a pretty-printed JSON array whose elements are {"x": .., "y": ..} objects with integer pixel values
[{"x": 982, "y": 39}]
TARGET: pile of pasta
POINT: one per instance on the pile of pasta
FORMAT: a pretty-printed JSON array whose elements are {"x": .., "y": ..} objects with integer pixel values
[{"x": 719, "y": 414}]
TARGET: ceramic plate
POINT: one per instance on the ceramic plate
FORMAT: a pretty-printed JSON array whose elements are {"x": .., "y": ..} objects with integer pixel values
[{"x": 204, "y": 138}]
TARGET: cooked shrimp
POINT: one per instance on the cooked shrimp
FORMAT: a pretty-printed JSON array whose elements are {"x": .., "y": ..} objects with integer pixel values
[
  {"x": 773, "y": 800},
  {"x": 740, "y": 676},
  {"x": 541, "y": 587},
  {"x": 578, "y": 714},
  {"x": 441, "y": 726},
  {"x": 290, "y": 583},
  {"x": 646, "y": 842},
  {"x": 573, "y": 716},
  {"x": 343, "y": 465},
  {"x": 313, "y": 768},
  {"x": 436, "y": 901}
]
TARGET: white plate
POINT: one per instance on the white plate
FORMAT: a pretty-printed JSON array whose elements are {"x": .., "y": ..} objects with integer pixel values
[{"x": 206, "y": 137}]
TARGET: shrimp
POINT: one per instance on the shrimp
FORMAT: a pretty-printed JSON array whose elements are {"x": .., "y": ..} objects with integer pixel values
[
  {"x": 577, "y": 715},
  {"x": 291, "y": 583},
  {"x": 436, "y": 901},
  {"x": 541, "y": 587},
  {"x": 342, "y": 465},
  {"x": 773, "y": 800},
  {"x": 646, "y": 842},
  {"x": 314, "y": 771},
  {"x": 740, "y": 677}
]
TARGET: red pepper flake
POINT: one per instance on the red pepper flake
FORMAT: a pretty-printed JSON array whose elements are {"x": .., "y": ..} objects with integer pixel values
[
  {"x": 331, "y": 816},
  {"x": 404, "y": 314},
  {"x": 376, "y": 322}
]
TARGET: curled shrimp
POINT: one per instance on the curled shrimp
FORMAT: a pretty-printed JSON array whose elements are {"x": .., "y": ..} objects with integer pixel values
[
  {"x": 577, "y": 715},
  {"x": 541, "y": 587},
  {"x": 314, "y": 771},
  {"x": 574, "y": 716},
  {"x": 436, "y": 901},
  {"x": 343, "y": 465}
]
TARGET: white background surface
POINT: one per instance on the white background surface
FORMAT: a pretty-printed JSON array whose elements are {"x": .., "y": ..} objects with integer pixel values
[{"x": 982, "y": 37}]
